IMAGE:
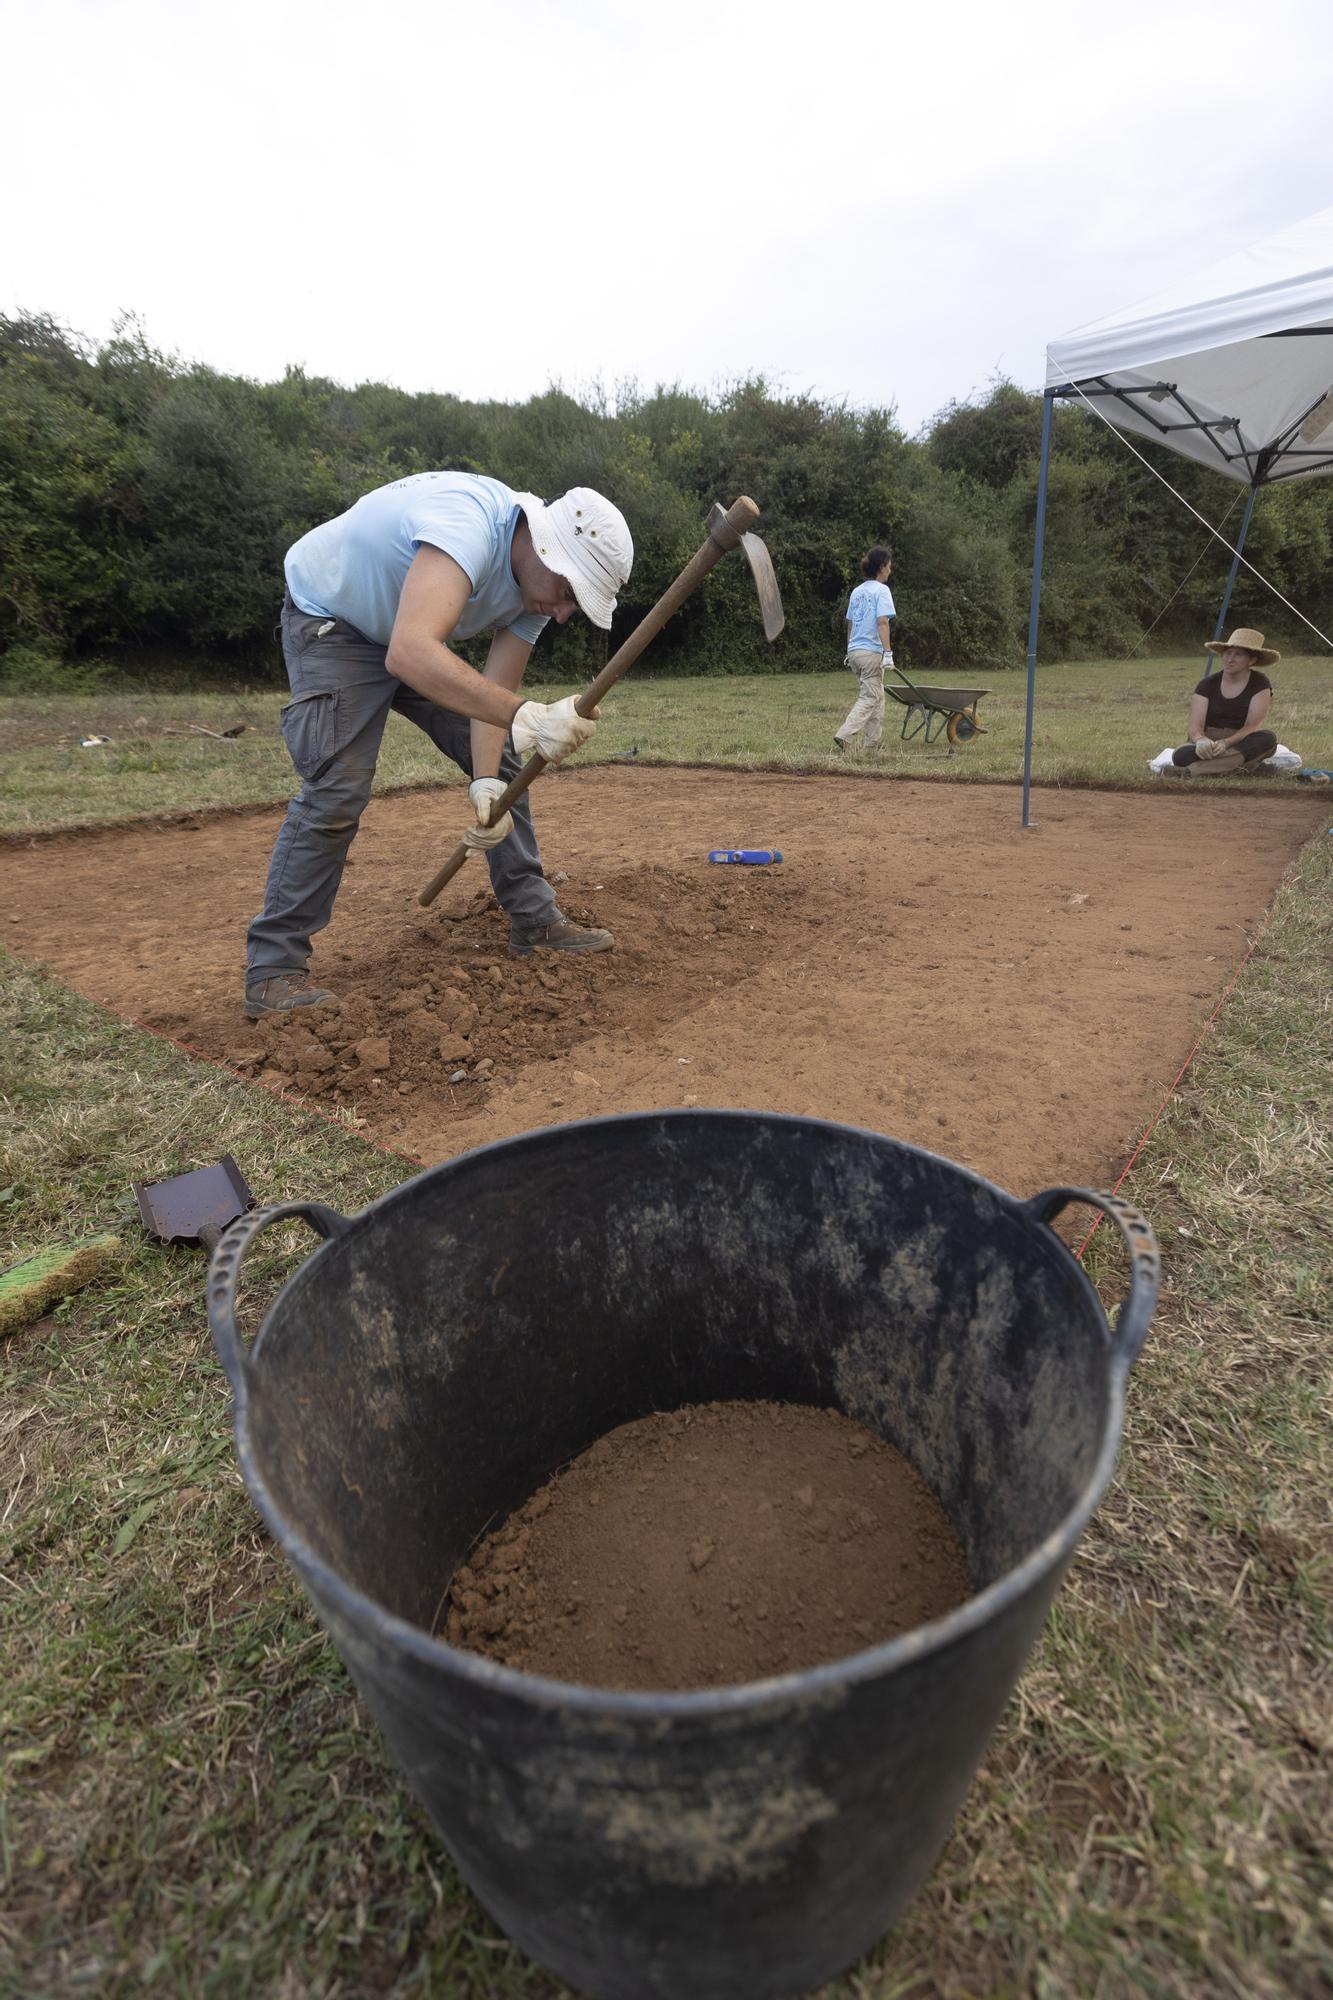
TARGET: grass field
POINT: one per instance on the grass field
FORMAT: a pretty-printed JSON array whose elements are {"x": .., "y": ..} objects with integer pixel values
[
  {"x": 192, "y": 1801},
  {"x": 1098, "y": 722}
]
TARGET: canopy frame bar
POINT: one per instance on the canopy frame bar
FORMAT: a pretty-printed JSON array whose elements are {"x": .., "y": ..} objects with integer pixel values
[
  {"x": 1048, "y": 402},
  {"x": 1233, "y": 572},
  {"x": 1097, "y": 385}
]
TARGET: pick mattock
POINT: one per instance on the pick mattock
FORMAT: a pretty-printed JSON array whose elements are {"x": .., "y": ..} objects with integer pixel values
[{"x": 726, "y": 530}]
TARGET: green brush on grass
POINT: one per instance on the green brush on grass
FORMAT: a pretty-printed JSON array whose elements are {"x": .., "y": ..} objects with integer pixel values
[{"x": 29, "y": 1288}]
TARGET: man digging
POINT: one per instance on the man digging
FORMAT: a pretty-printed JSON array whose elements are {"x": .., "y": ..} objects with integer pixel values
[{"x": 373, "y": 600}]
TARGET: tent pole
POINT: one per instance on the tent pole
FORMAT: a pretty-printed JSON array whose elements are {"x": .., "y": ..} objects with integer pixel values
[
  {"x": 1047, "y": 405},
  {"x": 1235, "y": 563}
]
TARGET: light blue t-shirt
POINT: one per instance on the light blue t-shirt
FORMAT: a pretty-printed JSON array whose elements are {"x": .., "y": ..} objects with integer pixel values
[
  {"x": 868, "y": 603},
  {"x": 353, "y": 567}
]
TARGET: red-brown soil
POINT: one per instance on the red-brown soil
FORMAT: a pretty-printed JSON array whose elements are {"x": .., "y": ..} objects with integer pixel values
[
  {"x": 919, "y": 963},
  {"x": 709, "y": 1546}
]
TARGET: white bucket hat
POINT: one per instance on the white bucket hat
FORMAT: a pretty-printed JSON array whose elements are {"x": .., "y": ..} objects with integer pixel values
[{"x": 583, "y": 538}]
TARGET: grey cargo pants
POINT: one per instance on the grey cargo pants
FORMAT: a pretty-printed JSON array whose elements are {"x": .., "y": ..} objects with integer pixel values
[{"x": 341, "y": 696}]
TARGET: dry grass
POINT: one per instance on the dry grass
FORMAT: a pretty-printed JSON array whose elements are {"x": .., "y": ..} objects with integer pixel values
[
  {"x": 193, "y": 1802},
  {"x": 1097, "y": 721}
]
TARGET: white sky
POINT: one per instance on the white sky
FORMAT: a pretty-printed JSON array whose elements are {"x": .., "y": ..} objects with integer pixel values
[{"x": 867, "y": 201}]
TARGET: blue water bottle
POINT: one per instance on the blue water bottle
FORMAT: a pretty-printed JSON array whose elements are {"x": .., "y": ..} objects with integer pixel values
[{"x": 759, "y": 856}]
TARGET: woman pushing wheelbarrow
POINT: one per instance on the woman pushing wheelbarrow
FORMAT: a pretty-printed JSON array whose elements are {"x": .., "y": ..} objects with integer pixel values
[
  {"x": 939, "y": 711},
  {"x": 869, "y": 648}
]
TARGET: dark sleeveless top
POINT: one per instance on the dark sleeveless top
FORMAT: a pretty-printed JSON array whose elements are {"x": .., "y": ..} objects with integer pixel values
[{"x": 1228, "y": 711}]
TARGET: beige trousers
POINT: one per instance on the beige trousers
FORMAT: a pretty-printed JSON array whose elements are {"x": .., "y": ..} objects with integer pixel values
[{"x": 867, "y": 711}]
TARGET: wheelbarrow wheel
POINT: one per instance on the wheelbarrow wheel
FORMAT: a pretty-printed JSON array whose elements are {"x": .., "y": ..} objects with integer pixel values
[{"x": 962, "y": 728}]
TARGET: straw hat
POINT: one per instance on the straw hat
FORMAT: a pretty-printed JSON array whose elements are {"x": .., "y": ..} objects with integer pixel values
[{"x": 1253, "y": 642}]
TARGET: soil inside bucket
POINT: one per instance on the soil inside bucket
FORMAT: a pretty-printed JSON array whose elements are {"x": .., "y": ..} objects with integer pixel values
[{"x": 707, "y": 1546}]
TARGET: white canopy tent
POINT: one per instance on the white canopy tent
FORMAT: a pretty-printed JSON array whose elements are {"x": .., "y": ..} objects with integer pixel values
[{"x": 1232, "y": 367}]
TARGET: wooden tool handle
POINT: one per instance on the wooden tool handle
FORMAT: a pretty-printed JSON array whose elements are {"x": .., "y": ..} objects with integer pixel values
[{"x": 724, "y": 532}]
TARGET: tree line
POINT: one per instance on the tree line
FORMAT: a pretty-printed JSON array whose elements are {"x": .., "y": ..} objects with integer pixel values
[{"x": 146, "y": 504}]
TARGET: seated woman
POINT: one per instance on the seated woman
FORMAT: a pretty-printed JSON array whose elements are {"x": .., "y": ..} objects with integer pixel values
[{"x": 1227, "y": 709}]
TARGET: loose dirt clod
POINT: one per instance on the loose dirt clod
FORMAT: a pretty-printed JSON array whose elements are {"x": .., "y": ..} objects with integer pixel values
[
  {"x": 708, "y": 1546},
  {"x": 423, "y": 1015}
]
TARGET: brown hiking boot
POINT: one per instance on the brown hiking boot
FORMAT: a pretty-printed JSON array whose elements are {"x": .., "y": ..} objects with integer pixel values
[
  {"x": 281, "y": 992},
  {"x": 558, "y": 935}
]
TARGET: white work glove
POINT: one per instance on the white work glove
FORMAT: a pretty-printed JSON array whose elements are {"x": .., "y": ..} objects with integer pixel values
[
  {"x": 483, "y": 793},
  {"x": 551, "y": 728},
  {"x": 1206, "y": 747}
]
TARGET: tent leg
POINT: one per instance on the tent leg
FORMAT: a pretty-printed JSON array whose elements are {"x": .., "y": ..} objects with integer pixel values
[
  {"x": 1235, "y": 565},
  {"x": 1047, "y": 405}
]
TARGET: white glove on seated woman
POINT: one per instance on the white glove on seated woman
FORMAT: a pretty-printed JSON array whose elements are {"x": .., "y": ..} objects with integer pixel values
[
  {"x": 1205, "y": 747},
  {"x": 483, "y": 793},
  {"x": 552, "y": 729}
]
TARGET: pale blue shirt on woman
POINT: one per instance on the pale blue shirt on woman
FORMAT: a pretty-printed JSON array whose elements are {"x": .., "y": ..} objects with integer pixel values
[{"x": 868, "y": 603}]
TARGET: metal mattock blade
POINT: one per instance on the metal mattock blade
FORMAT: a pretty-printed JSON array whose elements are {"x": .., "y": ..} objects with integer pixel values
[{"x": 766, "y": 583}]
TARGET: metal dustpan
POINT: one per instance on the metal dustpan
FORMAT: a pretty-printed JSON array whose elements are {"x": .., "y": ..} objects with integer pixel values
[{"x": 194, "y": 1208}]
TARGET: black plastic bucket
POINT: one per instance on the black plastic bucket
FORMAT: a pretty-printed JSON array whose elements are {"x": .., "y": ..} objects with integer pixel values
[{"x": 448, "y": 1348}]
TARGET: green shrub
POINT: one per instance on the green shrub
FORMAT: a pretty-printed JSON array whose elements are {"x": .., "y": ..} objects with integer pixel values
[
  {"x": 35, "y": 667},
  {"x": 146, "y": 506}
]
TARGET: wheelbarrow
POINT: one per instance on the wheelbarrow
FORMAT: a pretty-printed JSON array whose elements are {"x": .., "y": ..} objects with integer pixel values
[{"x": 940, "y": 711}]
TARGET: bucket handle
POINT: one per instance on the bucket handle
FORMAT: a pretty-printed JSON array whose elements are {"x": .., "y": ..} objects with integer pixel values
[
  {"x": 1145, "y": 1274},
  {"x": 225, "y": 1269}
]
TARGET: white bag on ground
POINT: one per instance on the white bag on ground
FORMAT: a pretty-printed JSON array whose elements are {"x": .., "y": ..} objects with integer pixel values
[{"x": 1282, "y": 759}]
